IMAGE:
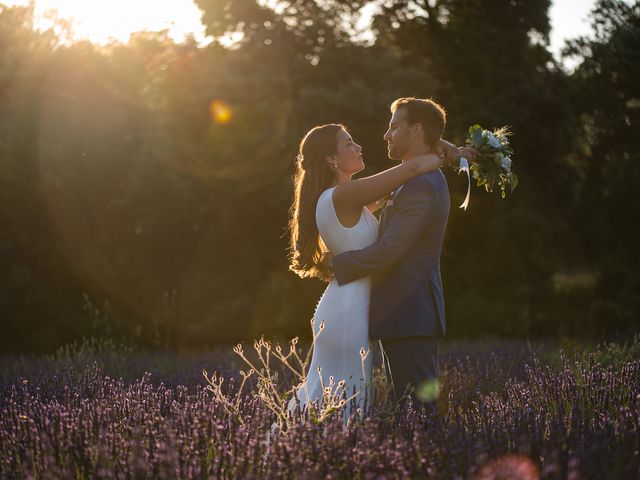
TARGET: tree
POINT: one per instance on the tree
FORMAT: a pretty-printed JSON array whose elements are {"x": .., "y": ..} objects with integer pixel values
[{"x": 606, "y": 97}]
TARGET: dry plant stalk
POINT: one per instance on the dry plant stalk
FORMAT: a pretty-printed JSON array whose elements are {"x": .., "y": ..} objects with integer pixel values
[{"x": 272, "y": 394}]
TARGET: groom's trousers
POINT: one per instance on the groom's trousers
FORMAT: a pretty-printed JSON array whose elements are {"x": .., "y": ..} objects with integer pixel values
[{"x": 409, "y": 362}]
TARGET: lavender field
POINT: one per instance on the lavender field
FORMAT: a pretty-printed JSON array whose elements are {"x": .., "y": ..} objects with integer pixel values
[{"x": 506, "y": 409}]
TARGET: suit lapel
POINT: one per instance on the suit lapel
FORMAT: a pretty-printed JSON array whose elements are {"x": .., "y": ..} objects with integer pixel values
[
  {"x": 396, "y": 192},
  {"x": 383, "y": 220},
  {"x": 385, "y": 213}
]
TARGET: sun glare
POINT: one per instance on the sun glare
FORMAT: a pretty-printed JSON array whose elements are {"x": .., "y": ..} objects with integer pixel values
[{"x": 103, "y": 22}]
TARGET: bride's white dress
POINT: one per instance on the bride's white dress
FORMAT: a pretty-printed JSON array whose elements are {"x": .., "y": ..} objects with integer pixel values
[{"x": 344, "y": 310}]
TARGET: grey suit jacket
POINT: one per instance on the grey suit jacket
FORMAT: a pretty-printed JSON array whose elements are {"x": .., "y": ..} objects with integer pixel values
[{"x": 406, "y": 296}]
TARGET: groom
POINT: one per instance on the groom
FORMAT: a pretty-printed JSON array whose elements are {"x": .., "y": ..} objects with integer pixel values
[{"x": 407, "y": 304}]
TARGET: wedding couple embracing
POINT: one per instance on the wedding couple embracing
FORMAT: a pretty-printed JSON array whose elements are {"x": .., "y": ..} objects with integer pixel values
[{"x": 384, "y": 275}]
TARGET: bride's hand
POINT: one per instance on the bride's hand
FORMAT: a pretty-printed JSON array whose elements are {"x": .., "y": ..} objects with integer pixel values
[
  {"x": 449, "y": 150},
  {"x": 452, "y": 153},
  {"x": 469, "y": 153}
]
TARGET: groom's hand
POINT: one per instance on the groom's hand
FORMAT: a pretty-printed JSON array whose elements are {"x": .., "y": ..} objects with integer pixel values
[{"x": 326, "y": 267}]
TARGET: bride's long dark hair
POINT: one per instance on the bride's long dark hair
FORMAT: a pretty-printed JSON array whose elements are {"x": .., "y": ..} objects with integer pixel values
[{"x": 312, "y": 176}]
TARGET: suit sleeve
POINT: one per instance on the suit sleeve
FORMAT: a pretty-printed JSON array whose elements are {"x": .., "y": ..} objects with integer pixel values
[{"x": 413, "y": 214}]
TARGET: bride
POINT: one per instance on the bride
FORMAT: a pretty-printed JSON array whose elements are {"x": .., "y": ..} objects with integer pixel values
[{"x": 331, "y": 213}]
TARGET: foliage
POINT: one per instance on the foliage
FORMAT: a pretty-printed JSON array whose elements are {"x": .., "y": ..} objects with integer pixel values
[
  {"x": 117, "y": 184},
  {"x": 495, "y": 410},
  {"x": 604, "y": 96}
]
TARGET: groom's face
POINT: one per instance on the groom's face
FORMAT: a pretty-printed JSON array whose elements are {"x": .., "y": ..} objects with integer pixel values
[{"x": 398, "y": 136}]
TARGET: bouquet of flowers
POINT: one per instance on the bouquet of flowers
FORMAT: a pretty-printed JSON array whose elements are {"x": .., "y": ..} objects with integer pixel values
[{"x": 493, "y": 164}]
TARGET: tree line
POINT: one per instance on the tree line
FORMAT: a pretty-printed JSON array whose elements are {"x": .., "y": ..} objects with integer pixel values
[{"x": 128, "y": 206}]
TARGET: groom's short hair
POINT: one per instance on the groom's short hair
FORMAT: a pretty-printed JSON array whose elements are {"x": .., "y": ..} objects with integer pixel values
[{"x": 428, "y": 113}]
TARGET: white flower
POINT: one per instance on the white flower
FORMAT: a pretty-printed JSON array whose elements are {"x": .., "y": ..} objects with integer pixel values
[
  {"x": 505, "y": 163},
  {"x": 492, "y": 140}
]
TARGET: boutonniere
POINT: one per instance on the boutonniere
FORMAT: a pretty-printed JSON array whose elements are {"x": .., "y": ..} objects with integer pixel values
[{"x": 385, "y": 201}]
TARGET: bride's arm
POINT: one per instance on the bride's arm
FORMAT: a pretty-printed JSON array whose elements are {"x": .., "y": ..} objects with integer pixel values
[{"x": 352, "y": 196}]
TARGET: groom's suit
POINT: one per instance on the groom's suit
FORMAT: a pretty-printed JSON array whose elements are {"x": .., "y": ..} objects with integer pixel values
[{"x": 407, "y": 304}]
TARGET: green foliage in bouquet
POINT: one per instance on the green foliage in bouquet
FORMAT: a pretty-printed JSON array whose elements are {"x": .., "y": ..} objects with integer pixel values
[{"x": 493, "y": 165}]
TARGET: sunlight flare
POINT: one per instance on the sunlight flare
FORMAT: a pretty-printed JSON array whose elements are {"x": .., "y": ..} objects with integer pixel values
[
  {"x": 220, "y": 111},
  {"x": 104, "y": 22}
]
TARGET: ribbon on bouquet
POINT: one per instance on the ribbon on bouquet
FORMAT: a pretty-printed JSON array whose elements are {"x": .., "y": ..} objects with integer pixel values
[{"x": 464, "y": 167}]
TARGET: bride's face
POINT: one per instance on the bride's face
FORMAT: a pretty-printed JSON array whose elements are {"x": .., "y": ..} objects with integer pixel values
[{"x": 348, "y": 158}]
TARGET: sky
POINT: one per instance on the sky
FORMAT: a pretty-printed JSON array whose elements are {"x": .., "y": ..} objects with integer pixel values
[
  {"x": 569, "y": 19},
  {"x": 101, "y": 21}
]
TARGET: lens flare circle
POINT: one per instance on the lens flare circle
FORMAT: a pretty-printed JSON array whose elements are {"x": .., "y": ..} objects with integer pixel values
[{"x": 220, "y": 111}]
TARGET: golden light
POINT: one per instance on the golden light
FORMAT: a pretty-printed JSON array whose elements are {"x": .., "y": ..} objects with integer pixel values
[
  {"x": 103, "y": 22},
  {"x": 220, "y": 112}
]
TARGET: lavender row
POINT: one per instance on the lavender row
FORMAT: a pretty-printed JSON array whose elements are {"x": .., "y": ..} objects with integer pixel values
[{"x": 578, "y": 417}]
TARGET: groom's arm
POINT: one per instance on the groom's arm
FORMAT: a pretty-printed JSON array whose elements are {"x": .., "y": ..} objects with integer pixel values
[{"x": 413, "y": 214}]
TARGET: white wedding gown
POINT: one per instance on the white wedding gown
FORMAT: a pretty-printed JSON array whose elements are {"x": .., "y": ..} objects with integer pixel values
[{"x": 344, "y": 309}]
